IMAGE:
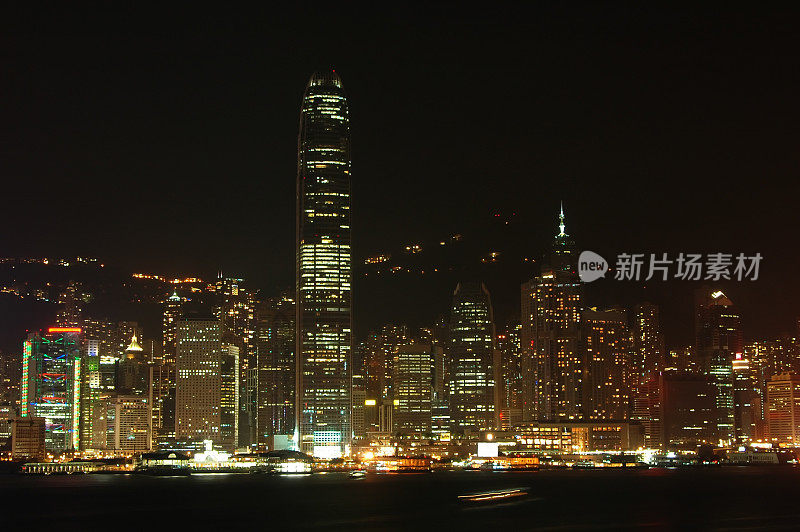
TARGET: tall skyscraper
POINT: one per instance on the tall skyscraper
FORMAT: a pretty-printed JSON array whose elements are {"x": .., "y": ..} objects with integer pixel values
[
  {"x": 472, "y": 358},
  {"x": 607, "y": 341},
  {"x": 324, "y": 269},
  {"x": 162, "y": 372},
  {"x": 275, "y": 367},
  {"x": 199, "y": 379},
  {"x": 51, "y": 385},
  {"x": 510, "y": 383},
  {"x": 746, "y": 400},
  {"x": 648, "y": 342},
  {"x": 783, "y": 409},
  {"x": 173, "y": 307},
  {"x": 128, "y": 423},
  {"x": 647, "y": 411},
  {"x": 718, "y": 339},
  {"x": 90, "y": 393},
  {"x": 414, "y": 369},
  {"x": 554, "y": 366},
  {"x": 162, "y": 379},
  {"x": 235, "y": 307},
  {"x": 230, "y": 395}
]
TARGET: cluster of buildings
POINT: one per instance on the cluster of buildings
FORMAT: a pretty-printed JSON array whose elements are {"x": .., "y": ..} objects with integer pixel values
[
  {"x": 255, "y": 374},
  {"x": 571, "y": 379},
  {"x": 92, "y": 386}
]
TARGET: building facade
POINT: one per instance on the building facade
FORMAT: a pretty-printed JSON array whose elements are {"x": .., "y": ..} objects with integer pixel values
[
  {"x": 606, "y": 340},
  {"x": 236, "y": 308},
  {"x": 230, "y": 395},
  {"x": 718, "y": 339},
  {"x": 647, "y": 411},
  {"x": 748, "y": 415},
  {"x": 51, "y": 385},
  {"x": 554, "y": 364},
  {"x": 324, "y": 270},
  {"x": 648, "y": 342},
  {"x": 414, "y": 376},
  {"x": 28, "y": 438},
  {"x": 90, "y": 392},
  {"x": 688, "y": 411},
  {"x": 275, "y": 366},
  {"x": 783, "y": 409},
  {"x": 199, "y": 379},
  {"x": 128, "y": 423},
  {"x": 472, "y": 356}
]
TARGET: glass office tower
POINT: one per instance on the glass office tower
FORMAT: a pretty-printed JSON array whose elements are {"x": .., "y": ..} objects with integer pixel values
[
  {"x": 472, "y": 358},
  {"x": 718, "y": 339},
  {"x": 553, "y": 362},
  {"x": 51, "y": 376},
  {"x": 324, "y": 312}
]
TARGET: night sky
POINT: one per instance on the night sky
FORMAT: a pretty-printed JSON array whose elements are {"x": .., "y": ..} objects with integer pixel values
[{"x": 166, "y": 141}]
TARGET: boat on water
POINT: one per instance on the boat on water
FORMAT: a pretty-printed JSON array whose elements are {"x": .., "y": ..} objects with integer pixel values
[
  {"x": 493, "y": 496},
  {"x": 403, "y": 464},
  {"x": 504, "y": 463},
  {"x": 358, "y": 473}
]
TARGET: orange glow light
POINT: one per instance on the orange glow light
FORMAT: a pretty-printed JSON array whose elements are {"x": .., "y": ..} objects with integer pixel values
[{"x": 64, "y": 329}]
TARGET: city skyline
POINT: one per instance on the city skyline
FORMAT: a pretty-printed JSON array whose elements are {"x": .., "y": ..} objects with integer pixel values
[
  {"x": 316, "y": 266},
  {"x": 222, "y": 370}
]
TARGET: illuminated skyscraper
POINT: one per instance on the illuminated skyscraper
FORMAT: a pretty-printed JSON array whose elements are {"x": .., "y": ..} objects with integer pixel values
[
  {"x": 173, "y": 307},
  {"x": 198, "y": 388},
  {"x": 51, "y": 385},
  {"x": 472, "y": 358},
  {"x": 275, "y": 367},
  {"x": 128, "y": 423},
  {"x": 746, "y": 400},
  {"x": 324, "y": 311},
  {"x": 607, "y": 341},
  {"x": 648, "y": 342},
  {"x": 236, "y": 310},
  {"x": 647, "y": 411},
  {"x": 229, "y": 396},
  {"x": 90, "y": 392},
  {"x": 718, "y": 340},
  {"x": 509, "y": 384},
  {"x": 162, "y": 372},
  {"x": 783, "y": 409},
  {"x": 414, "y": 370},
  {"x": 554, "y": 366}
]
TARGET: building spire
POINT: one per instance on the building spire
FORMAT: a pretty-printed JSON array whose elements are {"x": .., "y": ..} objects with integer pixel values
[
  {"x": 134, "y": 346},
  {"x": 561, "y": 224}
]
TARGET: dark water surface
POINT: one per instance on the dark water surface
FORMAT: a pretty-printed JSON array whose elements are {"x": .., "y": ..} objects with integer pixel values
[{"x": 723, "y": 498}]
